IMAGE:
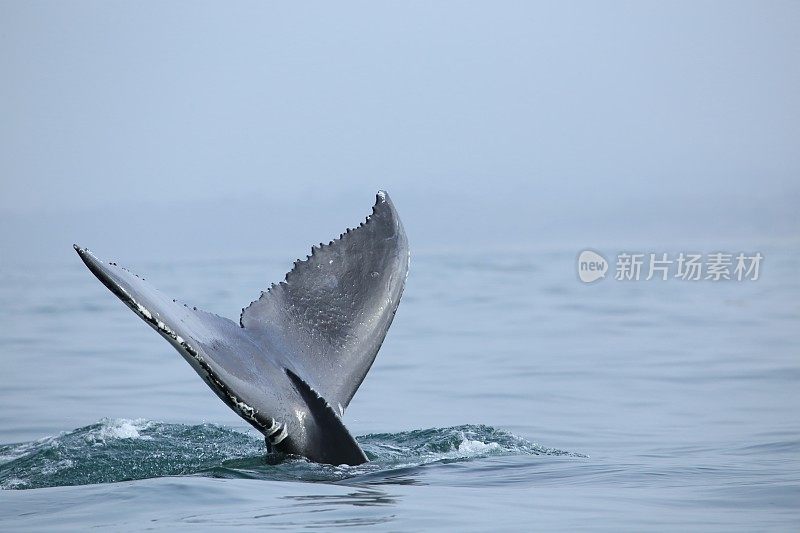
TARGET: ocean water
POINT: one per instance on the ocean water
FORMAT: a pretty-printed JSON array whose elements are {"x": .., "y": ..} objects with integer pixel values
[{"x": 508, "y": 395}]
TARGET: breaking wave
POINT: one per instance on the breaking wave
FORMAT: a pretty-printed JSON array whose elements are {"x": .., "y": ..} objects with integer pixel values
[{"x": 122, "y": 450}]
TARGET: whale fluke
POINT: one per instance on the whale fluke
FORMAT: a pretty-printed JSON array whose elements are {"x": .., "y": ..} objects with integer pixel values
[{"x": 300, "y": 351}]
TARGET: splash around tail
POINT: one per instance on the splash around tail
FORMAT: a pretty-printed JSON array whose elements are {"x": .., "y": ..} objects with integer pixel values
[{"x": 116, "y": 450}]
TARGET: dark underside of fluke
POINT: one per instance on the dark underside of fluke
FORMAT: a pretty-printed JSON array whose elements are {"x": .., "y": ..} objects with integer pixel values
[{"x": 300, "y": 351}]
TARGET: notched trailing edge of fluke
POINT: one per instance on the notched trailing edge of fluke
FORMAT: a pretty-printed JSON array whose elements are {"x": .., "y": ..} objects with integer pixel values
[
  {"x": 381, "y": 198},
  {"x": 237, "y": 404}
]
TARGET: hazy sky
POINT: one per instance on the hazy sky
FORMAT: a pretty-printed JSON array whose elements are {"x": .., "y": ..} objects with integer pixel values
[{"x": 155, "y": 122}]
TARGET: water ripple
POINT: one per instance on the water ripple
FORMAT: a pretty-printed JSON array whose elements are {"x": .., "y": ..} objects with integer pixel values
[{"x": 120, "y": 450}]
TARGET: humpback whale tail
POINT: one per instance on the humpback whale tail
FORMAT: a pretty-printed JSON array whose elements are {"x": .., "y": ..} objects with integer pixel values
[{"x": 300, "y": 351}]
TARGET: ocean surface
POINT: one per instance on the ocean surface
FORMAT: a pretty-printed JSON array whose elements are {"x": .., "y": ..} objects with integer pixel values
[{"x": 508, "y": 395}]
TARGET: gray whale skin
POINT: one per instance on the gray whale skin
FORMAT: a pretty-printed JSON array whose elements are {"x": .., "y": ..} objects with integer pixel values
[{"x": 300, "y": 351}]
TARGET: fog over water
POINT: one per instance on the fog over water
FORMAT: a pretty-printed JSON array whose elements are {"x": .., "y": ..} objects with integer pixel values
[{"x": 142, "y": 128}]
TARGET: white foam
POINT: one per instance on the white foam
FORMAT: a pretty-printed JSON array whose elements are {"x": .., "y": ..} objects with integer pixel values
[
  {"x": 476, "y": 447},
  {"x": 22, "y": 449},
  {"x": 53, "y": 467},
  {"x": 14, "y": 483},
  {"x": 123, "y": 429}
]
